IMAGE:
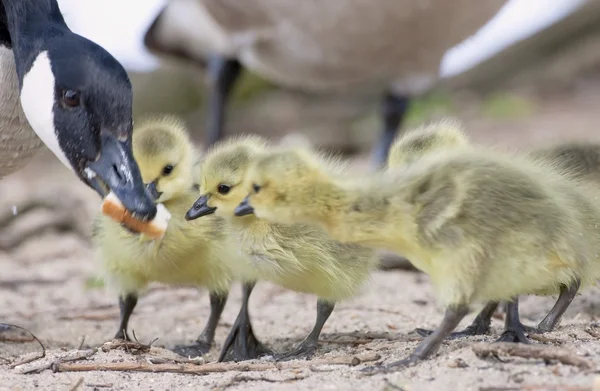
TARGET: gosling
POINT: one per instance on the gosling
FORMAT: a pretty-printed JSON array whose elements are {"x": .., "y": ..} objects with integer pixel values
[
  {"x": 298, "y": 257},
  {"x": 199, "y": 254},
  {"x": 486, "y": 226},
  {"x": 577, "y": 159}
]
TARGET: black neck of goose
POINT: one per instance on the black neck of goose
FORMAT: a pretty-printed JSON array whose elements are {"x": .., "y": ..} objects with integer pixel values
[{"x": 28, "y": 23}]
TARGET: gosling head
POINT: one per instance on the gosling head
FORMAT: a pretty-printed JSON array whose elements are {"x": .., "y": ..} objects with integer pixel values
[
  {"x": 285, "y": 186},
  {"x": 222, "y": 176},
  {"x": 420, "y": 141},
  {"x": 166, "y": 157}
]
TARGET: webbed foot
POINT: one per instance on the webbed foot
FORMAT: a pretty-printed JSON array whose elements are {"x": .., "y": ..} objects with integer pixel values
[
  {"x": 516, "y": 335},
  {"x": 304, "y": 351},
  {"x": 393, "y": 367},
  {"x": 241, "y": 343},
  {"x": 480, "y": 326},
  {"x": 514, "y": 329},
  {"x": 196, "y": 349}
]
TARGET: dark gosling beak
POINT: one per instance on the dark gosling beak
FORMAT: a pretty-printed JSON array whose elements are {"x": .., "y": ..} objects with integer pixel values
[
  {"x": 199, "y": 209},
  {"x": 117, "y": 170},
  {"x": 244, "y": 208},
  {"x": 153, "y": 191}
]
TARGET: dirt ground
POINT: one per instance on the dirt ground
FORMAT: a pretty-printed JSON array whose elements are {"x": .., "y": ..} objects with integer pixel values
[{"x": 47, "y": 286}]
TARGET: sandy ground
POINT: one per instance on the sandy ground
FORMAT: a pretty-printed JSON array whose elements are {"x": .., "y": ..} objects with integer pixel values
[{"x": 45, "y": 287}]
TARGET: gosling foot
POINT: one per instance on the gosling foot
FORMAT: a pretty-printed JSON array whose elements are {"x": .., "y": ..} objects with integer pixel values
[
  {"x": 469, "y": 331},
  {"x": 122, "y": 334},
  {"x": 393, "y": 367},
  {"x": 480, "y": 326},
  {"x": 241, "y": 343},
  {"x": 197, "y": 349},
  {"x": 514, "y": 334},
  {"x": 514, "y": 329},
  {"x": 303, "y": 351}
]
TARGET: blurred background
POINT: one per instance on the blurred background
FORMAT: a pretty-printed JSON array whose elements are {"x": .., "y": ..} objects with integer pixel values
[{"x": 530, "y": 77}]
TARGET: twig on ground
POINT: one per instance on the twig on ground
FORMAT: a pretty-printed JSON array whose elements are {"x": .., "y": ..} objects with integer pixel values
[
  {"x": 42, "y": 365},
  {"x": 210, "y": 367},
  {"x": 4, "y": 338},
  {"x": 48, "y": 362},
  {"x": 546, "y": 353},
  {"x": 103, "y": 385},
  {"x": 544, "y": 339},
  {"x": 29, "y": 359},
  {"x": 241, "y": 378},
  {"x": 132, "y": 347},
  {"x": 76, "y": 385},
  {"x": 81, "y": 342}
]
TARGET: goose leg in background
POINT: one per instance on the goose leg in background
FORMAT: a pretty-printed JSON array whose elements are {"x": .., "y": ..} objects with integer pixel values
[
  {"x": 241, "y": 344},
  {"x": 223, "y": 74},
  {"x": 393, "y": 110},
  {"x": 126, "y": 305},
  {"x": 308, "y": 347},
  {"x": 514, "y": 331},
  {"x": 51, "y": 210},
  {"x": 205, "y": 339},
  {"x": 480, "y": 326}
]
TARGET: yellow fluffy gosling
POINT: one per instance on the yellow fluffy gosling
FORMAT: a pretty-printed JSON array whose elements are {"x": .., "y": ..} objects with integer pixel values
[
  {"x": 486, "y": 226},
  {"x": 199, "y": 254},
  {"x": 299, "y": 257}
]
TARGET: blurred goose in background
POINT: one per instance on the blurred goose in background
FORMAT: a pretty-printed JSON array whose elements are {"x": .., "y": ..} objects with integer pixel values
[
  {"x": 380, "y": 47},
  {"x": 74, "y": 96},
  {"x": 396, "y": 50}
]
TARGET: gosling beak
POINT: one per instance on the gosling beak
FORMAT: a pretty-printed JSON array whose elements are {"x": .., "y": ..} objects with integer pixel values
[
  {"x": 116, "y": 170},
  {"x": 244, "y": 208},
  {"x": 153, "y": 191},
  {"x": 199, "y": 209}
]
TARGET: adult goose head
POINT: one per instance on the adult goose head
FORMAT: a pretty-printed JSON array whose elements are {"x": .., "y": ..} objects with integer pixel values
[{"x": 77, "y": 98}]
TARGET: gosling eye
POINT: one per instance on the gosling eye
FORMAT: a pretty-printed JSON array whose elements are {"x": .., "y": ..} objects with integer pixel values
[
  {"x": 167, "y": 170},
  {"x": 71, "y": 98},
  {"x": 256, "y": 188},
  {"x": 223, "y": 189}
]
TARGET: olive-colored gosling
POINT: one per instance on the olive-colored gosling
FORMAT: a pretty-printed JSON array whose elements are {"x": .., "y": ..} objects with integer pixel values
[{"x": 486, "y": 226}]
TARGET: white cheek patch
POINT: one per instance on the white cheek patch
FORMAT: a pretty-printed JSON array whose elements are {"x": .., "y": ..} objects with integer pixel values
[{"x": 37, "y": 100}]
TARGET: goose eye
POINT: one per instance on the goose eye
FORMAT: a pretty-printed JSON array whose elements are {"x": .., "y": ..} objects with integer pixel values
[
  {"x": 167, "y": 170},
  {"x": 256, "y": 188},
  {"x": 223, "y": 189},
  {"x": 70, "y": 98}
]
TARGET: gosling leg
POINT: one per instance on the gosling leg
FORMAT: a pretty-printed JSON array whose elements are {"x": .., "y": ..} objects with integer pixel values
[
  {"x": 429, "y": 345},
  {"x": 393, "y": 109},
  {"x": 223, "y": 74},
  {"x": 126, "y": 306},
  {"x": 241, "y": 344},
  {"x": 308, "y": 347},
  {"x": 480, "y": 326},
  {"x": 514, "y": 331},
  {"x": 205, "y": 339},
  {"x": 567, "y": 294}
]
